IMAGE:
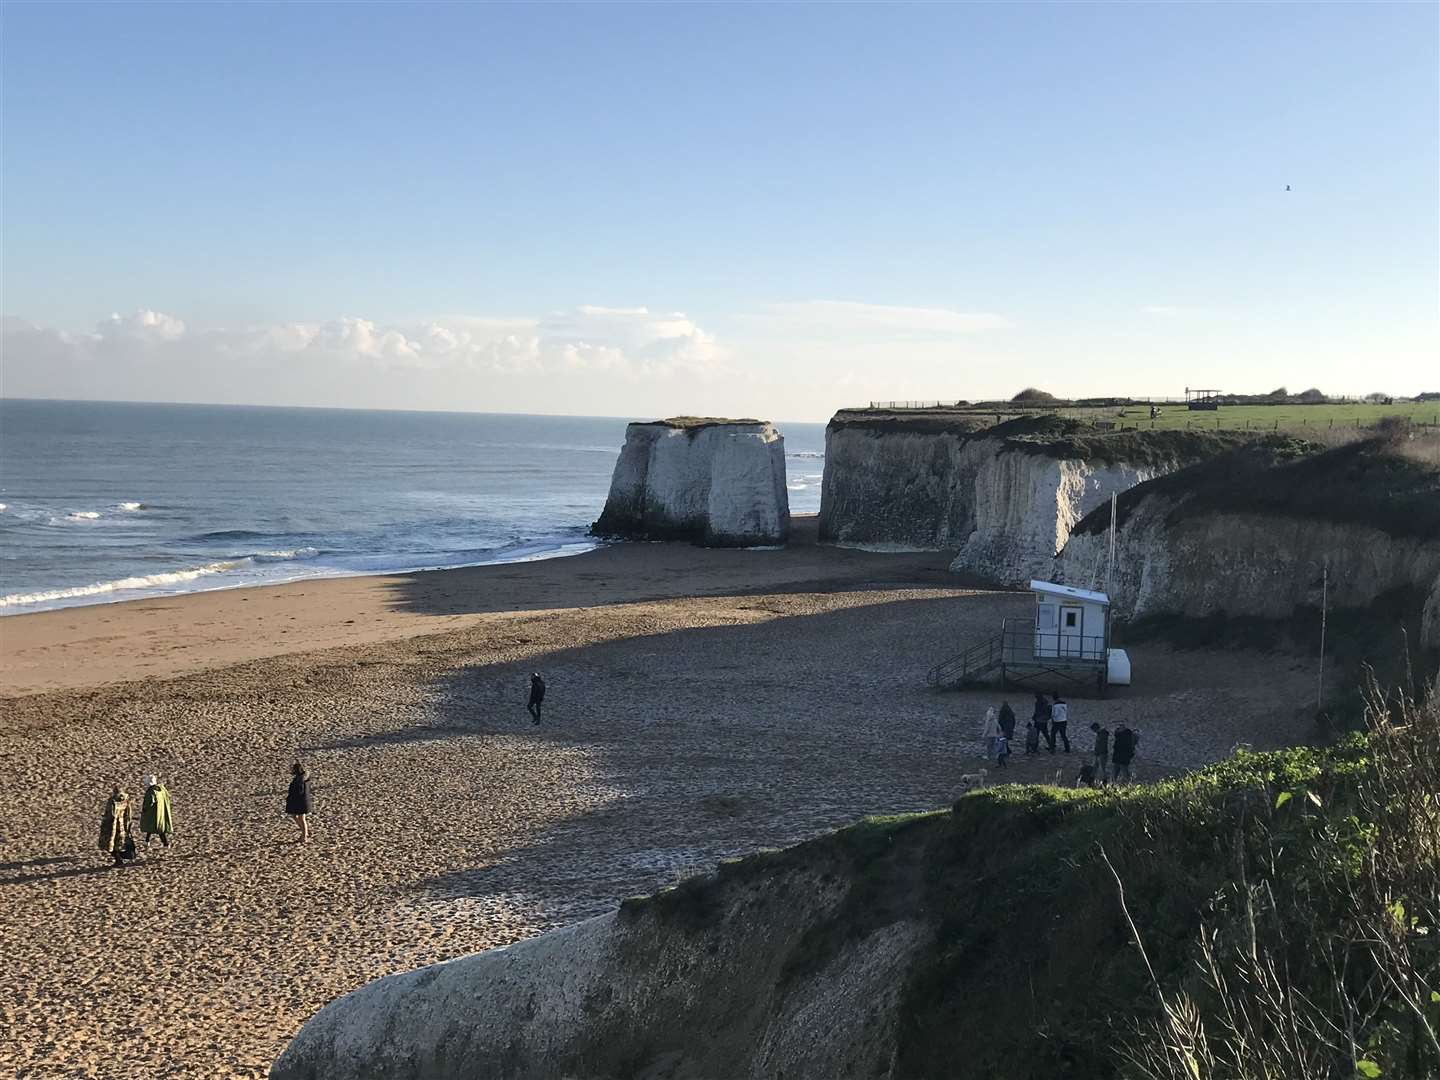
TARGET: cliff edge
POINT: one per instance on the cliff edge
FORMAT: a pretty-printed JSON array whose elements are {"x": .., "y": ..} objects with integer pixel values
[
  {"x": 988, "y": 939},
  {"x": 716, "y": 482},
  {"x": 1005, "y": 497},
  {"x": 1252, "y": 533}
]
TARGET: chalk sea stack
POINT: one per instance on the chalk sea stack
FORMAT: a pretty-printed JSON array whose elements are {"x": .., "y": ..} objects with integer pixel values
[{"x": 720, "y": 483}]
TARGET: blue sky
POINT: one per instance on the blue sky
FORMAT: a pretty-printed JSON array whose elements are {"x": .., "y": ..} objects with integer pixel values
[{"x": 781, "y": 209}]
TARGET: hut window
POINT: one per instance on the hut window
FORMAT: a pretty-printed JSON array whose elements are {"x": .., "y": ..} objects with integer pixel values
[{"x": 1072, "y": 618}]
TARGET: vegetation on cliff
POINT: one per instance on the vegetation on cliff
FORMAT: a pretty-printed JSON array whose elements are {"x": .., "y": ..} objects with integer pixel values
[
  {"x": 1274, "y": 915},
  {"x": 1367, "y": 482},
  {"x": 1050, "y": 435}
]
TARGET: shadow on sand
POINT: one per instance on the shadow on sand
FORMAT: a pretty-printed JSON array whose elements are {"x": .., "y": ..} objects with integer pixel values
[{"x": 624, "y": 573}]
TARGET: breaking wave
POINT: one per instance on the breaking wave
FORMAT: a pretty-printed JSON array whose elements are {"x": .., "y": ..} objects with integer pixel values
[{"x": 155, "y": 581}]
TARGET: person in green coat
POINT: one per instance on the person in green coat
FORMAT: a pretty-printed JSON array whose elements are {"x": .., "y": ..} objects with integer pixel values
[
  {"x": 156, "y": 817},
  {"x": 115, "y": 824}
]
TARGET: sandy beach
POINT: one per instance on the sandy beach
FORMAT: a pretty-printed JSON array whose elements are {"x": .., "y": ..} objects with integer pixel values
[{"x": 702, "y": 704}]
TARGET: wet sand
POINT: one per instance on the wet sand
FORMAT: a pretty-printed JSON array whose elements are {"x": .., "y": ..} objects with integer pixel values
[{"x": 701, "y": 704}]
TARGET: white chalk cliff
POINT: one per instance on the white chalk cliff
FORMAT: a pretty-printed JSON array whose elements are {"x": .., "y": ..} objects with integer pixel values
[
  {"x": 1176, "y": 557},
  {"x": 717, "y": 482},
  {"x": 627, "y": 994},
  {"x": 1005, "y": 503}
]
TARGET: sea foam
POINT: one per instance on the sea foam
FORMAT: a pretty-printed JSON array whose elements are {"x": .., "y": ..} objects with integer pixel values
[{"x": 154, "y": 581}]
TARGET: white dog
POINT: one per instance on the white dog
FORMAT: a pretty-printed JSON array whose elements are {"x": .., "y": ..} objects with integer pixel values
[{"x": 971, "y": 780}]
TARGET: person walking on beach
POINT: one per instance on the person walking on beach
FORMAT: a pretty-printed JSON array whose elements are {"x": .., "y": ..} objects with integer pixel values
[
  {"x": 115, "y": 824},
  {"x": 1122, "y": 753},
  {"x": 1102, "y": 754},
  {"x": 1059, "y": 723},
  {"x": 1041, "y": 717},
  {"x": 537, "y": 696},
  {"x": 990, "y": 730},
  {"x": 156, "y": 818},
  {"x": 1007, "y": 720},
  {"x": 297, "y": 799}
]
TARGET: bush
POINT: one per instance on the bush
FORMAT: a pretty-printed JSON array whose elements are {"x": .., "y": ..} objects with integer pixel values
[
  {"x": 1310, "y": 396},
  {"x": 1278, "y": 394},
  {"x": 1032, "y": 394}
]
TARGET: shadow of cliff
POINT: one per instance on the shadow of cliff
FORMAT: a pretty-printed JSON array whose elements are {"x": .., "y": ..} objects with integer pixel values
[
  {"x": 716, "y": 741},
  {"x": 635, "y": 572}
]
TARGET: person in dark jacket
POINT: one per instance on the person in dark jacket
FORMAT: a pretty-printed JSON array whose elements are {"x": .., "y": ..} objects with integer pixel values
[
  {"x": 297, "y": 799},
  {"x": 537, "y": 696},
  {"x": 1122, "y": 753},
  {"x": 1032, "y": 737},
  {"x": 1102, "y": 753},
  {"x": 1041, "y": 717},
  {"x": 1007, "y": 720}
]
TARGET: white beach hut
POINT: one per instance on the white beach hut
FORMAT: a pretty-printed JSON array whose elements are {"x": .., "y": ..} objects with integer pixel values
[
  {"x": 1070, "y": 623},
  {"x": 1067, "y": 642}
]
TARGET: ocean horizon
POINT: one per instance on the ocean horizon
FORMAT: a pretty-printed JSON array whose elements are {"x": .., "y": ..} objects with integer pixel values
[{"x": 109, "y": 501}]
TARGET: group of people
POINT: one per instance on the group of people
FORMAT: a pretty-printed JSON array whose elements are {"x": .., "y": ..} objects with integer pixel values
[
  {"x": 117, "y": 823},
  {"x": 157, "y": 815},
  {"x": 1113, "y": 755},
  {"x": 1050, "y": 722}
]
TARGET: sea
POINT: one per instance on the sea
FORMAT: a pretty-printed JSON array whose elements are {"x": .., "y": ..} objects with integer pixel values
[{"x": 106, "y": 501}]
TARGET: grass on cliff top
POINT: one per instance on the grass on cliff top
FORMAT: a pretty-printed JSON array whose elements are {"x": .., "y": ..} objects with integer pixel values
[
  {"x": 1051, "y": 435},
  {"x": 1305, "y": 419},
  {"x": 1275, "y": 866},
  {"x": 694, "y": 423},
  {"x": 1370, "y": 482}
]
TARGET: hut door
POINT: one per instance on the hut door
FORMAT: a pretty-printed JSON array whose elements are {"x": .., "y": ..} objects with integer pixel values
[{"x": 1072, "y": 629}]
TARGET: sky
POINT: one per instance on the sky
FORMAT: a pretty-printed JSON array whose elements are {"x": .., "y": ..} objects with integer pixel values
[{"x": 635, "y": 210}]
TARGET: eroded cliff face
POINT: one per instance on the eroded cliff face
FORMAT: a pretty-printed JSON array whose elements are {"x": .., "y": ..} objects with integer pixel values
[
  {"x": 704, "y": 994},
  {"x": 1006, "y": 505},
  {"x": 716, "y": 482},
  {"x": 1250, "y": 564}
]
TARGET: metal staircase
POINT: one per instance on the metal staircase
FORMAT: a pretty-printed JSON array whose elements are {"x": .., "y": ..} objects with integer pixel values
[{"x": 979, "y": 659}]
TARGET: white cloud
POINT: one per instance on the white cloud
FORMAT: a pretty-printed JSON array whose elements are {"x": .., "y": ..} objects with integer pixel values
[
  {"x": 845, "y": 318},
  {"x": 623, "y": 342}
]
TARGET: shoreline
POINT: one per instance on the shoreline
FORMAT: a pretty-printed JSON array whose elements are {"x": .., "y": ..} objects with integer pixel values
[
  {"x": 92, "y": 645},
  {"x": 16, "y": 604}
]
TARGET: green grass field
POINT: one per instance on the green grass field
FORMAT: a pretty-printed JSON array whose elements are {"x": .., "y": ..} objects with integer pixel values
[
  {"x": 1287, "y": 417},
  {"x": 1272, "y": 417}
]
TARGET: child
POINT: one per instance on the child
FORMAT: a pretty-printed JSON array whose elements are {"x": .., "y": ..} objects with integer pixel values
[
  {"x": 1032, "y": 737},
  {"x": 1002, "y": 750}
]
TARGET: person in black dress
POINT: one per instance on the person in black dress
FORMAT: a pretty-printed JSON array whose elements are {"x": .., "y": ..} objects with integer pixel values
[
  {"x": 297, "y": 799},
  {"x": 537, "y": 696}
]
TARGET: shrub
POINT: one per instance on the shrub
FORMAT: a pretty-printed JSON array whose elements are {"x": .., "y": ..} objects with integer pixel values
[
  {"x": 1032, "y": 394},
  {"x": 1310, "y": 396}
]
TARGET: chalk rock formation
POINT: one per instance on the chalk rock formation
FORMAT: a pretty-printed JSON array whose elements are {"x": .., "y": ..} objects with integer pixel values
[
  {"x": 717, "y": 482},
  {"x": 1006, "y": 497},
  {"x": 700, "y": 993},
  {"x": 1250, "y": 535}
]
